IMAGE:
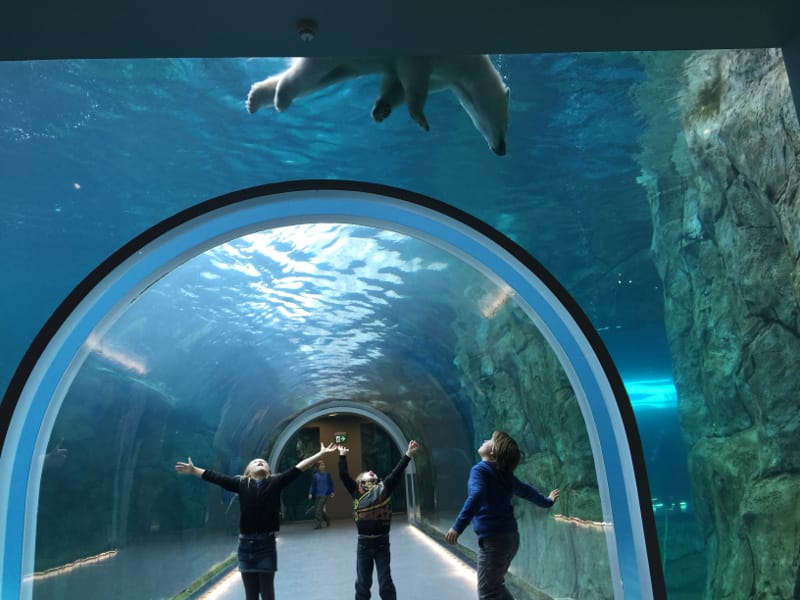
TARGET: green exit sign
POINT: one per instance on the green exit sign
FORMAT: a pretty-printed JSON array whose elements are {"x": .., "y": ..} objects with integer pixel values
[{"x": 340, "y": 437}]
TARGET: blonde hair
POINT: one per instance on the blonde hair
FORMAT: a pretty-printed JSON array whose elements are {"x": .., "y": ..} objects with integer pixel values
[
  {"x": 249, "y": 468},
  {"x": 505, "y": 451}
]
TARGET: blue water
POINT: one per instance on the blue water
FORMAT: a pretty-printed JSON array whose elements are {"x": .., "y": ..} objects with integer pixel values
[{"x": 92, "y": 153}]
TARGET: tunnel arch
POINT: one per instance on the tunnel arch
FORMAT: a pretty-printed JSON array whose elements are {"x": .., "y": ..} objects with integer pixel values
[
  {"x": 38, "y": 387},
  {"x": 347, "y": 407}
]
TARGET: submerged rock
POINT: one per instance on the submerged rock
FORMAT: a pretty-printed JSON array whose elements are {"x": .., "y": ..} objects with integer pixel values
[{"x": 726, "y": 243}]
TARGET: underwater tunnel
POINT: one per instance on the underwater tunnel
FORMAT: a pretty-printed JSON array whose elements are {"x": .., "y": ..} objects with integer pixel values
[{"x": 328, "y": 297}]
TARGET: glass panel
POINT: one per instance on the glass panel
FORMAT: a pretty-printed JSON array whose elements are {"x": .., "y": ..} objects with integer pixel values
[
  {"x": 619, "y": 179},
  {"x": 214, "y": 359}
]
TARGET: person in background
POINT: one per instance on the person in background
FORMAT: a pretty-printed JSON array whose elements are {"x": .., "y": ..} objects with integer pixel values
[
  {"x": 488, "y": 505},
  {"x": 320, "y": 490},
  {"x": 372, "y": 510},
  {"x": 259, "y": 491}
]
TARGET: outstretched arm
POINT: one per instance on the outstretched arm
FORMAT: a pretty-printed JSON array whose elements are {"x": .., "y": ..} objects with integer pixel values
[
  {"x": 224, "y": 481},
  {"x": 393, "y": 479},
  {"x": 189, "y": 468},
  {"x": 531, "y": 494},
  {"x": 344, "y": 474},
  {"x": 323, "y": 450}
]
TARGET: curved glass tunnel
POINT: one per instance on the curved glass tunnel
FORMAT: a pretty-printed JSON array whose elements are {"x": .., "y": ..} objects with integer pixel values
[{"x": 227, "y": 339}]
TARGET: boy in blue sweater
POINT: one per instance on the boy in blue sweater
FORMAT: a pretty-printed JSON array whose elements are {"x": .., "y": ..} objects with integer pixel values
[{"x": 488, "y": 505}]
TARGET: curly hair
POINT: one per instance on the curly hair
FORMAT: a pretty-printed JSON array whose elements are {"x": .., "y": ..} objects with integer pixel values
[{"x": 506, "y": 452}]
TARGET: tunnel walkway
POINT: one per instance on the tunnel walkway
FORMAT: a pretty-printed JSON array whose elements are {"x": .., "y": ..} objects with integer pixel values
[{"x": 321, "y": 564}]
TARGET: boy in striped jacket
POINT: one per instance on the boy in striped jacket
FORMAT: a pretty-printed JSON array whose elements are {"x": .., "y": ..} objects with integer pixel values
[{"x": 372, "y": 511}]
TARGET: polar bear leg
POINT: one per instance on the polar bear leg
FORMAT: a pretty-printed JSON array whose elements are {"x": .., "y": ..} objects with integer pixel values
[
  {"x": 391, "y": 95},
  {"x": 261, "y": 94},
  {"x": 414, "y": 74},
  {"x": 305, "y": 76}
]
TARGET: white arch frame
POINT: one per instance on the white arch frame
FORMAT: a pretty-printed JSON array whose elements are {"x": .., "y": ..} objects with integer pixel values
[
  {"x": 165, "y": 247},
  {"x": 348, "y": 407}
]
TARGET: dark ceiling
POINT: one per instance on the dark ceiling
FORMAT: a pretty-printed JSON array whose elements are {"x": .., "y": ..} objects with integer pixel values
[{"x": 46, "y": 29}]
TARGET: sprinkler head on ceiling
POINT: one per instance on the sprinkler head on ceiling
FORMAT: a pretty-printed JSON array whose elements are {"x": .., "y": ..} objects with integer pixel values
[{"x": 307, "y": 29}]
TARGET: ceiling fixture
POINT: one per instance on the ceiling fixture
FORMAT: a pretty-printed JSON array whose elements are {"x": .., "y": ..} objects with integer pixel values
[{"x": 307, "y": 29}]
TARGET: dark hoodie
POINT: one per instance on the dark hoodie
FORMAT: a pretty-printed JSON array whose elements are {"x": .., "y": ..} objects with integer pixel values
[{"x": 372, "y": 509}]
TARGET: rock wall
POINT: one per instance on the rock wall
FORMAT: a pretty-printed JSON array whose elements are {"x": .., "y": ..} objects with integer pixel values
[
  {"x": 519, "y": 386},
  {"x": 721, "y": 171}
]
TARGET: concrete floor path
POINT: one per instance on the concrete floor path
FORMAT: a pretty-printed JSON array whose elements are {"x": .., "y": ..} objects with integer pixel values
[{"x": 321, "y": 565}]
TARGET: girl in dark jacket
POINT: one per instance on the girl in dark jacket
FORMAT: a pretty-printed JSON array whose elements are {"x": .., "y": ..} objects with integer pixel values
[{"x": 259, "y": 493}]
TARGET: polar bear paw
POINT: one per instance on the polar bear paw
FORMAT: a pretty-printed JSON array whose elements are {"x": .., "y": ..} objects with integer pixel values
[
  {"x": 261, "y": 94},
  {"x": 381, "y": 110}
]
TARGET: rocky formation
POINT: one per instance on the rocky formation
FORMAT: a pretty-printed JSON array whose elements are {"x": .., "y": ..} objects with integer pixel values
[{"x": 723, "y": 181}]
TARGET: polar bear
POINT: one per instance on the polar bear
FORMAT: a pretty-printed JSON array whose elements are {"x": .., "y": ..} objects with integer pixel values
[{"x": 473, "y": 79}]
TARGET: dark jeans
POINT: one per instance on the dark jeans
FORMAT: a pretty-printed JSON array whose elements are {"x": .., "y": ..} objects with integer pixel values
[
  {"x": 495, "y": 554},
  {"x": 374, "y": 550}
]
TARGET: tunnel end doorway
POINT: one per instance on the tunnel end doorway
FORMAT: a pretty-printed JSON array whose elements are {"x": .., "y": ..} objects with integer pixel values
[{"x": 375, "y": 442}]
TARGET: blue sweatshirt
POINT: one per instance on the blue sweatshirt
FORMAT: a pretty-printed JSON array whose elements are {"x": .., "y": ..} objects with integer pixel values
[
  {"x": 488, "y": 504},
  {"x": 321, "y": 484}
]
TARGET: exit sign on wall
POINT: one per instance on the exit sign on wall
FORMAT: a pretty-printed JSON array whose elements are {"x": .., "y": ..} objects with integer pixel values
[{"x": 340, "y": 437}]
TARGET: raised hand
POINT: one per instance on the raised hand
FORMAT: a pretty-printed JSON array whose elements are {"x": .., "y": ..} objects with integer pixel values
[
  {"x": 412, "y": 447},
  {"x": 186, "y": 468}
]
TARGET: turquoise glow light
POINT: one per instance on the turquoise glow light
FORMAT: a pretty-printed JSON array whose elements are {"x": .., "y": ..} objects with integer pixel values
[{"x": 652, "y": 394}]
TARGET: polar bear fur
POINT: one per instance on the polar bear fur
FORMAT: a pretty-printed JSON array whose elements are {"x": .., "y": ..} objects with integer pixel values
[{"x": 473, "y": 79}]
